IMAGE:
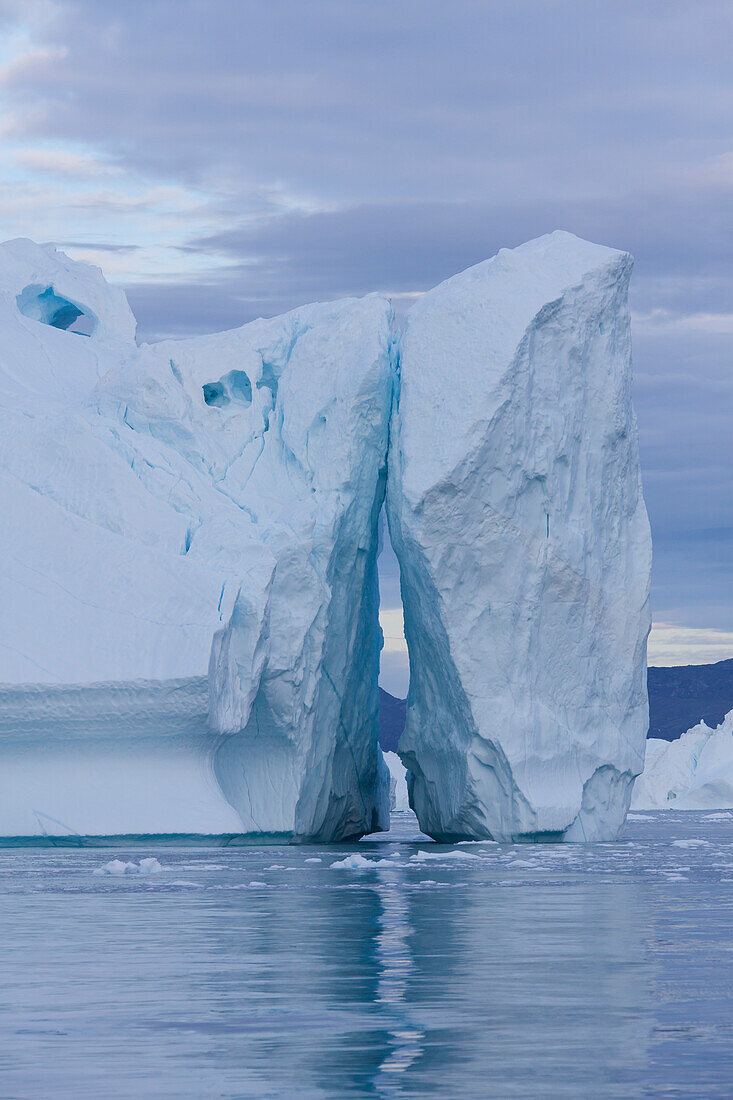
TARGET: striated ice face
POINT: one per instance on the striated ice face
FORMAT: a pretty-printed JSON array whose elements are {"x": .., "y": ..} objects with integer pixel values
[{"x": 517, "y": 516}]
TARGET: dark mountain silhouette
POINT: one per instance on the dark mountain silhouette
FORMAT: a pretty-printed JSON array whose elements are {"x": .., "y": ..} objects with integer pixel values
[
  {"x": 391, "y": 720},
  {"x": 679, "y": 698}
]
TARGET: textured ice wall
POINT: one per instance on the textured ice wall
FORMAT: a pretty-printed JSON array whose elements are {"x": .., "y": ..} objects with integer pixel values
[
  {"x": 95, "y": 585},
  {"x": 516, "y": 511},
  {"x": 232, "y": 482},
  {"x": 273, "y": 439}
]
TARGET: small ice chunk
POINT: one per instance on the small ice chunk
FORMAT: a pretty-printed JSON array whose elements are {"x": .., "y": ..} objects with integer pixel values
[
  {"x": 422, "y": 855},
  {"x": 149, "y": 866},
  {"x": 116, "y": 867},
  {"x": 693, "y": 842},
  {"x": 360, "y": 863},
  {"x": 314, "y": 859}
]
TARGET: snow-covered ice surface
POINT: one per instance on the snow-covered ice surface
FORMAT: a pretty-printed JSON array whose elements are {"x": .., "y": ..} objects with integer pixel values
[
  {"x": 154, "y": 498},
  {"x": 694, "y": 772},
  {"x": 532, "y": 970},
  {"x": 516, "y": 512}
]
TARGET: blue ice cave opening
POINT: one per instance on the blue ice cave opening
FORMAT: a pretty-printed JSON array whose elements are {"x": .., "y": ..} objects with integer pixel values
[
  {"x": 268, "y": 379},
  {"x": 44, "y": 304},
  {"x": 232, "y": 387},
  {"x": 238, "y": 386},
  {"x": 215, "y": 394}
]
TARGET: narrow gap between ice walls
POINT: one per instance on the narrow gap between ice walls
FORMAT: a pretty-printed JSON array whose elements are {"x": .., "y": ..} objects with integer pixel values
[{"x": 394, "y": 667}]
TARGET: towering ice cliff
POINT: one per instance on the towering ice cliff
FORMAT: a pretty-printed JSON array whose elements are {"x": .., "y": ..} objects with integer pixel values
[
  {"x": 516, "y": 512},
  {"x": 154, "y": 496}
]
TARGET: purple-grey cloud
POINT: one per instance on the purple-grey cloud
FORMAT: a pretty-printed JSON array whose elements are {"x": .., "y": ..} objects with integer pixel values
[{"x": 351, "y": 147}]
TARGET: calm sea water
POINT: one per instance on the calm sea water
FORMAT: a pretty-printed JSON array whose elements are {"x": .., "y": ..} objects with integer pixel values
[{"x": 528, "y": 971}]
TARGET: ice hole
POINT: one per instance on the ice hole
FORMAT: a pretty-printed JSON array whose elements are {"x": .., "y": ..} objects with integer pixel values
[
  {"x": 215, "y": 394},
  {"x": 268, "y": 379},
  {"x": 45, "y": 305},
  {"x": 234, "y": 386},
  {"x": 238, "y": 386}
]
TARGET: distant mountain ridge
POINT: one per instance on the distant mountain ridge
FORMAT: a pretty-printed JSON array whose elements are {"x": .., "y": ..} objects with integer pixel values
[
  {"x": 679, "y": 697},
  {"x": 392, "y": 712}
]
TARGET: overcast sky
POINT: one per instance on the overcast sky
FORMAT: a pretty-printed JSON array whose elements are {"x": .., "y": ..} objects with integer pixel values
[{"x": 226, "y": 160}]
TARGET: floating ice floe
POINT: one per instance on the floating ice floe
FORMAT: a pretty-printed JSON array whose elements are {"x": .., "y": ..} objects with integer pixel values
[
  {"x": 440, "y": 854},
  {"x": 399, "y": 799},
  {"x": 360, "y": 863},
  {"x": 148, "y": 866}
]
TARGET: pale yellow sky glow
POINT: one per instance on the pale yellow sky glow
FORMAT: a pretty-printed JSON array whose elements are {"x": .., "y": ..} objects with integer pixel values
[{"x": 668, "y": 644}]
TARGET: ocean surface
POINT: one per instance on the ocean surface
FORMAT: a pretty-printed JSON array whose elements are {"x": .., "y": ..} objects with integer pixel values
[{"x": 476, "y": 970}]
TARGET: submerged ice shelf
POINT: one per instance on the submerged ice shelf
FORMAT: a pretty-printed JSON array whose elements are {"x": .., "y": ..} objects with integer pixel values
[
  {"x": 219, "y": 489},
  {"x": 212, "y": 504},
  {"x": 79, "y": 762}
]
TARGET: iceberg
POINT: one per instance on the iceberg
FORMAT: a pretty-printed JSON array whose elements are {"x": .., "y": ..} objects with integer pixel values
[
  {"x": 190, "y": 601},
  {"x": 157, "y": 498},
  {"x": 516, "y": 512},
  {"x": 694, "y": 772}
]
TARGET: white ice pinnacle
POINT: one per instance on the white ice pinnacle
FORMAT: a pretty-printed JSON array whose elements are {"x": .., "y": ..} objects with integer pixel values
[{"x": 516, "y": 511}]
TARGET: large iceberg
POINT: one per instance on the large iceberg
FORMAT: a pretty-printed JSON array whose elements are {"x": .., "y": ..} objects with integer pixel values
[
  {"x": 190, "y": 608},
  {"x": 694, "y": 772},
  {"x": 156, "y": 496},
  {"x": 516, "y": 512}
]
